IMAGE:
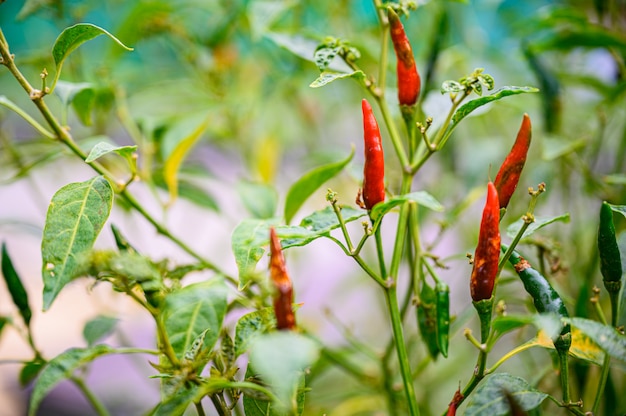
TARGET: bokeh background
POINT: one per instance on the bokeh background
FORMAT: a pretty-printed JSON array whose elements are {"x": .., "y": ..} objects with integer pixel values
[{"x": 245, "y": 66}]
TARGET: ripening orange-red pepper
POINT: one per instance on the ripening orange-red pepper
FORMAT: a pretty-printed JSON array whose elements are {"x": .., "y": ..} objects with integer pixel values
[
  {"x": 283, "y": 299},
  {"x": 508, "y": 176},
  {"x": 409, "y": 82},
  {"x": 487, "y": 251},
  {"x": 374, "y": 169}
]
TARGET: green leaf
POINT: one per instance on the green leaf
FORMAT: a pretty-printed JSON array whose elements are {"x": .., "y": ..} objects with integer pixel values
[
  {"x": 252, "y": 235},
  {"x": 80, "y": 95},
  {"x": 327, "y": 77},
  {"x": 589, "y": 36},
  {"x": 316, "y": 225},
  {"x": 251, "y": 325},
  {"x": 103, "y": 148},
  {"x": 554, "y": 148},
  {"x": 539, "y": 223},
  {"x": 257, "y": 404},
  {"x": 422, "y": 198},
  {"x": 3, "y": 321},
  {"x": 491, "y": 396},
  {"x": 264, "y": 13},
  {"x": 15, "y": 286},
  {"x": 193, "y": 309},
  {"x": 305, "y": 48},
  {"x": 75, "y": 217},
  {"x": 178, "y": 155},
  {"x": 98, "y": 328},
  {"x": 196, "y": 194},
  {"x": 247, "y": 243},
  {"x": 30, "y": 370},
  {"x": 176, "y": 404},
  {"x": 619, "y": 208},
  {"x": 60, "y": 368},
  {"x": 32, "y": 6},
  {"x": 451, "y": 86},
  {"x": 260, "y": 199},
  {"x": 615, "y": 179},
  {"x": 309, "y": 183},
  {"x": 280, "y": 358},
  {"x": 5, "y": 102},
  {"x": 467, "y": 108},
  {"x": 71, "y": 38},
  {"x": 607, "y": 338},
  {"x": 548, "y": 324}
]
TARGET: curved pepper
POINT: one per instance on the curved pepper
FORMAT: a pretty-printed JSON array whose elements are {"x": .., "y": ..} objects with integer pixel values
[
  {"x": 374, "y": 169},
  {"x": 409, "y": 82},
  {"x": 545, "y": 298},
  {"x": 508, "y": 176},
  {"x": 283, "y": 299},
  {"x": 487, "y": 251},
  {"x": 443, "y": 317}
]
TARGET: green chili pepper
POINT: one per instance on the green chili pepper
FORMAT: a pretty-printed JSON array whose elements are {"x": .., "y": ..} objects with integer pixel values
[
  {"x": 545, "y": 298},
  {"x": 443, "y": 317},
  {"x": 427, "y": 319},
  {"x": 610, "y": 260}
]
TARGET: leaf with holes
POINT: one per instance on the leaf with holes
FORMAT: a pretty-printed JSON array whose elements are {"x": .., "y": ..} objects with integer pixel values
[{"x": 75, "y": 217}]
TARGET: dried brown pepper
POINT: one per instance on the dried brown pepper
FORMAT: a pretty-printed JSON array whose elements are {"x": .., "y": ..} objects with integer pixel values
[
  {"x": 283, "y": 299},
  {"x": 508, "y": 176},
  {"x": 487, "y": 251}
]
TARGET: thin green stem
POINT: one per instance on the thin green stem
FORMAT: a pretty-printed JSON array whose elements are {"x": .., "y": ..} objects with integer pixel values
[
  {"x": 41, "y": 129},
  {"x": 200, "y": 409},
  {"x": 220, "y": 406},
  {"x": 393, "y": 133},
  {"x": 91, "y": 398},
  {"x": 508, "y": 355},
  {"x": 381, "y": 254},
  {"x": 564, "y": 370},
  {"x": 384, "y": 45},
  {"x": 403, "y": 359},
  {"x": 604, "y": 375},
  {"x": 401, "y": 231},
  {"x": 342, "y": 224}
]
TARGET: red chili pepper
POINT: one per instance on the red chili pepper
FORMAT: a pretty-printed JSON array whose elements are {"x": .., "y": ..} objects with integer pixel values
[
  {"x": 283, "y": 300},
  {"x": 488, "y": 249},
  {"x": 511, "y": 169},
  {"x": 409, "y": 81},
  {"x": 374, "y": 170}
]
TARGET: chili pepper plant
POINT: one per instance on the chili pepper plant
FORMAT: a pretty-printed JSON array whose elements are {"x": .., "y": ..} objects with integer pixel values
[{"x": 228, "y": 339}]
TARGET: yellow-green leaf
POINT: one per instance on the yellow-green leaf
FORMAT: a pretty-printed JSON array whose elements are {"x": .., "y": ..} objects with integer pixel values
[{"x": 175, "y": 159}]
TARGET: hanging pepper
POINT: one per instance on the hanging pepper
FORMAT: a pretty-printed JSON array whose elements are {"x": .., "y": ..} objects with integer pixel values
[
  {"x": 610, "y": 260},
  {"x": 283, "y": 299},
  {"x": 427, "y": 319},
  {"x": 508, "y": 176},
  {"x": 443, "y": 317},
  {"x": 545, "y": 298},
  {"x": 374, "y": 169},
  {"x": 409, "y": 81},
  {"x": 487, "y": 251}
]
